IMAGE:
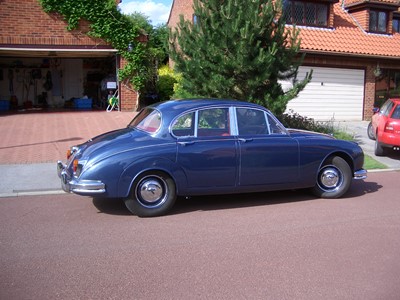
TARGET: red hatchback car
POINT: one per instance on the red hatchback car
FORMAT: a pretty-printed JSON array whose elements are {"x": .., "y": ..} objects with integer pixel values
[{"x": 385, "y": 127}]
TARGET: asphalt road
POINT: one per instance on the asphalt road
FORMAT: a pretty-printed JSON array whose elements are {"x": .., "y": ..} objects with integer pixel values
[{"x": 281, "y": 245}]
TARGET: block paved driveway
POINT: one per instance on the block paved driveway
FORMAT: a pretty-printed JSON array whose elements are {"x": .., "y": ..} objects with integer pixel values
[{"x": 38, "y": 137}]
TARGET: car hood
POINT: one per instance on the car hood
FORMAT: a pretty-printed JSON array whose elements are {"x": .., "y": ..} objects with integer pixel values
[{"x": 298, "y": 133}]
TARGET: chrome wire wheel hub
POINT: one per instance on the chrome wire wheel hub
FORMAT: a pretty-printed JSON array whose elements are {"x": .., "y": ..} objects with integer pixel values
[
  {"x": 152, "y": 192},
  {"x": 330, "y": 178}
]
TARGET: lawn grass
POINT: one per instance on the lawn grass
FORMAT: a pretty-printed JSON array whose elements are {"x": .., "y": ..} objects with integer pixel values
[{"x": 372, "y": 164}]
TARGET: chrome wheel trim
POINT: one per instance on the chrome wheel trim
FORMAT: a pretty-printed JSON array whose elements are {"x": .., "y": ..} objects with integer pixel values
[
  {"x": 330, "y": 179},
  {"x": 152, "y": 191}
]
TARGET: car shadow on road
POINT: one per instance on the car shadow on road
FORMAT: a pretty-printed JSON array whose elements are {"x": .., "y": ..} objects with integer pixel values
[
  {"x": 205, "y": 203},
  {"x": 362, "y": 187},
  {"x": 111, "y": 206},
  {"x": 218, "y": 202}
]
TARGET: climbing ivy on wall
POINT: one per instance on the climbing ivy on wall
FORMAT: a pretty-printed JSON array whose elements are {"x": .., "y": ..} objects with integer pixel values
[{"x": 109, "y": 24}]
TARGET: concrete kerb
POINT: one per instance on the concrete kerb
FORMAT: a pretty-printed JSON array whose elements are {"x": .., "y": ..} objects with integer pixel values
[{"x": 29, "y": 179}]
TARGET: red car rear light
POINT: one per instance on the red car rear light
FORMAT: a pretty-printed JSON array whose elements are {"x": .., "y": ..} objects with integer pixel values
[{"x": 389, "y": 127}]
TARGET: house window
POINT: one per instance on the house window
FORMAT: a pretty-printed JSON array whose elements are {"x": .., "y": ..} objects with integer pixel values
[
  {"x": 306, "y": 13},
  {"x": 378, "y": 21},
  {"x": 396, "y": 25},
  {"x": 387, "y": 85}
]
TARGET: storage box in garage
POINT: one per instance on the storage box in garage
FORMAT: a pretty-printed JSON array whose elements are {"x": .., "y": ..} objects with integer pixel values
[
  {"x": 4, "y": 105},
  {"x": 83, "y": 103}
]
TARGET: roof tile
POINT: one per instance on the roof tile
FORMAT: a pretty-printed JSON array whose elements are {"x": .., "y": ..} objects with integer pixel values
[{"x": 348, "y": 37}]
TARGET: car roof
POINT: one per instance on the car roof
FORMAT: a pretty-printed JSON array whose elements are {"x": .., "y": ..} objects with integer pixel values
[
  {"x": 397, "y": 100},
  {"x": 181, "y": 105}
]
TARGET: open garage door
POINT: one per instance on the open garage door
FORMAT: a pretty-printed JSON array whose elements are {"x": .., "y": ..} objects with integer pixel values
[{"x": 333, "y": 93}]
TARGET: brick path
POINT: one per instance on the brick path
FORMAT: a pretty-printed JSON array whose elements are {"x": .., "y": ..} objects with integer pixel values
[{"x": 38, "y": 137}]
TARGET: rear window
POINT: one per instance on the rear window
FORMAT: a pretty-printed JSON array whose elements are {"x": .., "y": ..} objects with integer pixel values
[
  {"x": 386, "y": 108},
  {"x": 148, "y": 120},
  {"x": 396, "y": 113}
]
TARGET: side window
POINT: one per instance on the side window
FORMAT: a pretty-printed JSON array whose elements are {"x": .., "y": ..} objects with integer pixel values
[
  {"x": 251, "y": 121},
  {"x": 275, "y": 127},
  {"x": 213, "y": 122},
  {"x": 184, "y": 125}
]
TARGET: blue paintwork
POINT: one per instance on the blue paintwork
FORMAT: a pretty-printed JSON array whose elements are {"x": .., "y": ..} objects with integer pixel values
[{"x": 207, "y": 165}]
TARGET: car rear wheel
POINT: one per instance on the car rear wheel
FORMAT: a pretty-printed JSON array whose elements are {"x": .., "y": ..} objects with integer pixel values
[
  {"x": 334, "y": 178},
  {"x": 153, "y": 194},
  {"x": 379, "y": 149},
  {"x": 370, "y": 131}
]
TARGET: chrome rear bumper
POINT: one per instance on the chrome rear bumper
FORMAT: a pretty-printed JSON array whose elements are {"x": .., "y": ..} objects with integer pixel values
[{"x": 81, "y": 187}]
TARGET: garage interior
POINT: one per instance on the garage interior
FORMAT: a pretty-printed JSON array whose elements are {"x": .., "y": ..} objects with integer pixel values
[{"x": 57, "y": 80}]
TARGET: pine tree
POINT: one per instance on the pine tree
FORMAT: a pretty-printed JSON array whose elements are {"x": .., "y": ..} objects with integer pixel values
[{"x": 238, "y": 49}]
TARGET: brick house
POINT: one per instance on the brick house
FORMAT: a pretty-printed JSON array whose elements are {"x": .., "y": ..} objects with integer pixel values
[
  {"x": 36, "y": 49},
  {"x": 353, "y": 46}
]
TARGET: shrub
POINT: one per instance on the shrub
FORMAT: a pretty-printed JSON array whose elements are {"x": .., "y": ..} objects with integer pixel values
[
  {"x": 294, "y": 120},
  {"x": 165, "y": 83}
]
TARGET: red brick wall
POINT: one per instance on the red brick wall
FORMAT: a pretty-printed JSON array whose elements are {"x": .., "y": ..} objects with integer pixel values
[
  {"x": 129, "y": 96},
  {"x": 331, "y": 16},
  {"x": 180, "y": 7},
  {"x": 362, "y": 18},
  {"x": 25, "y": 23}
]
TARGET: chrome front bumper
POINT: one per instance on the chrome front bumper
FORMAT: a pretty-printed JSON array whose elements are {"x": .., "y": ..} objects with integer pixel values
[
  {"x": 81, "y": 187},
  {"x": 360, "y": 174}
]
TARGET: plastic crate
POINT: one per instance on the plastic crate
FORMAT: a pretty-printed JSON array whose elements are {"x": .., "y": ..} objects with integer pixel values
[
  {"x": 4, "y": 105},
  {"x": 82, "y": 103}
]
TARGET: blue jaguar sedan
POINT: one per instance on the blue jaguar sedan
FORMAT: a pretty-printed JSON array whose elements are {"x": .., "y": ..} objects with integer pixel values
[{"x": 207, "y": 147}]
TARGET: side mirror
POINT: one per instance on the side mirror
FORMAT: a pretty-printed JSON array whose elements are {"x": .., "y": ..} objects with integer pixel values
[{"x": 375, "y": 110}]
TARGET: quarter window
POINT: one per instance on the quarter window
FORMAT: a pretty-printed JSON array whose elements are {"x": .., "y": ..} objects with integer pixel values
[
  {"x": 184, "y": 125},
  {"x": 274, "y": 126},
  {"x": 148, "y": 120},
  {"x": 378, "y": 21},
  {"x": 306, "y": 13}
]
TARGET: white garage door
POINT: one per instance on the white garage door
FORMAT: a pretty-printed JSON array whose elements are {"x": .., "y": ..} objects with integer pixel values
[{"x": 332, "y": 94}]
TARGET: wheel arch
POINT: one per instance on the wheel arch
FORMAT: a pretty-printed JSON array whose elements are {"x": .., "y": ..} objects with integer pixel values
[
  {"x": 139, "y": 168},
  {"x": 342, "y": 155}
]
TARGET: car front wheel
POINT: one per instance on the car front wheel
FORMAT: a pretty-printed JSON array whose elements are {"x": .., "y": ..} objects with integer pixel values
[
  {"x": 153, "y": 194},
  {"x": 334, "y": 178}
]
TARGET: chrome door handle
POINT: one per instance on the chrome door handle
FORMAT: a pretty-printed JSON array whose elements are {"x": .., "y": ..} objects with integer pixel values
[
  {"x": 186, "y": 143},
  {"x": 245, "y": 140}
]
